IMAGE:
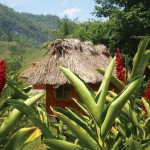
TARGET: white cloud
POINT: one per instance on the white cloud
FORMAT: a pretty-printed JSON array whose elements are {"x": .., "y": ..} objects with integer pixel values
[{"x": 71, "y": 12}]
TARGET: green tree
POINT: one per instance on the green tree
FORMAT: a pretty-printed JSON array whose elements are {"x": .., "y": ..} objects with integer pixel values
[
  {"x": 14, "y": 63},
  {"x": 66, "y": 27},
  {"x": 129, "y": 22},
  {"x": 97, "y": 32},
  {"x": 81, "y": 31}
]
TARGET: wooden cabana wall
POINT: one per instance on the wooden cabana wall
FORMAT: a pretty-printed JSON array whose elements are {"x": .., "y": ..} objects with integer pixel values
[
  {"x": 39, "y": 87},
  {"x": 51, "y": 99}
]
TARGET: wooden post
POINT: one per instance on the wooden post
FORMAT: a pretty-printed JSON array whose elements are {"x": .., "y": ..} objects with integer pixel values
[{"x": 48, "y": 98}]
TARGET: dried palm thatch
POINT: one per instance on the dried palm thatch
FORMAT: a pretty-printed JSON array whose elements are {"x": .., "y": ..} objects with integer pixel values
[{"x": 81, "y": 57}]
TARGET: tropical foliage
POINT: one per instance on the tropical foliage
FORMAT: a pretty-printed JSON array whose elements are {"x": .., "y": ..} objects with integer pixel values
[
  {"x": 9, "y": 117},
  {"x": 110, "y": 120}
]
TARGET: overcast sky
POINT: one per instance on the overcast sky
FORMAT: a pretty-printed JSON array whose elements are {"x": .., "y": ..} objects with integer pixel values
[{"x": 80, "y": 9}]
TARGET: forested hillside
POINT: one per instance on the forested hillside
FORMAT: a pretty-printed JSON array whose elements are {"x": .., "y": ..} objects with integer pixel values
[
  {"x": 126, "y": 25},
  {"x": 14, "y": 25}
]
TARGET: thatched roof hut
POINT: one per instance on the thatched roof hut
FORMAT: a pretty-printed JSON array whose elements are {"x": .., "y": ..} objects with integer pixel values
[{"x": 81, "y": 57}]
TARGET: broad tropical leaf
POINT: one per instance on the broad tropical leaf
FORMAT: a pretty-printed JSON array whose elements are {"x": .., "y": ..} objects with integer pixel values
[
  {"x": 114, "y": 80},
  {"x": 30, "y": 113},
  {"x": 81, "y": 106},
  {"x": 62, "y": 145},
  {"x": 141, "y": 59},
  {"x": 22, "y": 137},
  {"x": 117, "y": 105},
  {"x": 16, "y": 115},
  {"x": 18, "y": 90},
  {"x": 78, "y": 119},
  {"x": 79, "y": 132},
  {"x": 82, "y": 89},
  {"x": 134, "y": 145},
  {"x": 103, "y": 91},
  {"x": 147, "y": 106}
]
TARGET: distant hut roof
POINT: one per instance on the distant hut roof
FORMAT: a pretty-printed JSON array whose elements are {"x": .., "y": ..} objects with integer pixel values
[{"x": 83, "y": 58}]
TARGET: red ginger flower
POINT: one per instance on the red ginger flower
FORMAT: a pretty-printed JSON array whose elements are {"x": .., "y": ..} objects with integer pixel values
[
  {"x": 147, "y": 96},
  {"x": 2, "y": 75},
  {"x": 147, "y": 92},
  {"x": 120, "y": 70}
]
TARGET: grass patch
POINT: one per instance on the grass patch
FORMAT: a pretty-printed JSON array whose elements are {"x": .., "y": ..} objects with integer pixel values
[{"x": 30, "y": 55}]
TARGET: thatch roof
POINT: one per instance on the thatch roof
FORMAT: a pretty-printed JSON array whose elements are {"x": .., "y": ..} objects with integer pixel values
[{"x": 81, "y": 57}]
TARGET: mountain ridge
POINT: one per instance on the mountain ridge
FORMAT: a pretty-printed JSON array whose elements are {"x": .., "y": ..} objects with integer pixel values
[{"x": 14, "y": 24}]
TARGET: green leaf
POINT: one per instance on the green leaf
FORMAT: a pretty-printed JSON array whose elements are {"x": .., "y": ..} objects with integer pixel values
[
  {"x": 62, "y": 145},
  {"x": 122, "y": 129},
  {"x": 141, "y": 59},
  {"x": 87, "y": 96},
  {"x": 103, "y": 91},
  {"x": 127, "y": 67},
  {"x": 18, "y": 90},
  {"x": 30, "y": 113},
  {"x": 77, "y": 115},
  {"x": 79, "y": 132},
  {"x": 134, "y": 145},
  {"x": 22, "y": 137},
  {"x": 147, "y": 127},
  {"x": 117, "y": 105},
  {"x": 27, "y": 89},
  {"x": 140, "y": 71},
  {"x": 145, "y": 144},
  {"x": 16, "y": 115},
  {"x": 143, "y": 62},
  {"x": 117, "y": 142},
  {"x": 133, "y": 116},
  {"x": 81, "y": 105},
  {"x": 147, "y": 106},
  {"x": 77, "y": 118},
  {"x": 131, "y": 113},
  {"x": 114, "y": 80},
  {"x": 70, "y": 135},
  {"x": 43, "y": 116},
  {"x": 112, "y": 94},
  {"x": 3, "y": 107}
]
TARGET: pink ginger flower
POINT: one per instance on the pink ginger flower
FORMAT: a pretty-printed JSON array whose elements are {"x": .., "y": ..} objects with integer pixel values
[
  {"x": 119, "y": 67},
  {"x": 2, "y": 75}
]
